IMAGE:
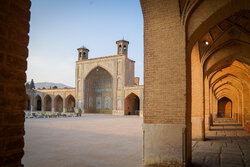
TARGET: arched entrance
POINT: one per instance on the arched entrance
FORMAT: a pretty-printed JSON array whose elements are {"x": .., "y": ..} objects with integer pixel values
[
  {"x": 98, "y": 91},
  {"x": 38, "y": 103},
  {"x": 28, "y": 102},
  {"x": 47, "y": 103},
  {"x": 224, "y": 108},
  {"x": 70, "y": 103},
  {"x": 132, "y": 105},
  {"x": 58, "y": 103}
]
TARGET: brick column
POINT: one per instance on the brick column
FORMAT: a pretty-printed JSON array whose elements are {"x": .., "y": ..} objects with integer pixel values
[
  {"x": 14, "y": 23},
  {"x": 42, "y": 105},
  {"x": 198, "y": 130},
  {"x": 52, "y": 103},
  {"x": 64, "y": 101},
  {"x": 167, "y": 125},
  {"x": 206, "y": 101}
]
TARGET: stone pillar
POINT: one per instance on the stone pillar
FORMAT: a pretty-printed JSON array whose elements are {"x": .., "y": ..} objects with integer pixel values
[
  {"x": 52, "y": 103},
  {"x": 14, "y": 39},
  {"x": 198, "y": 132},
  {"x": 167, "y": 122},
  {"x": 64, "y": 105},
  {"x": 43, "y": 107},
  {"x": 206, "y": 105}
]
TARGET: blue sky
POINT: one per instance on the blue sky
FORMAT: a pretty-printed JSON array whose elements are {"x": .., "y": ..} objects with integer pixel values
[{"x": 59, "y": 27}]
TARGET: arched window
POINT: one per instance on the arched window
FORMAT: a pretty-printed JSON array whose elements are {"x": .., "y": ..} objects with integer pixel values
[
  {"x": 120, "y": 48},
  {"x": 124, "y": 48}
]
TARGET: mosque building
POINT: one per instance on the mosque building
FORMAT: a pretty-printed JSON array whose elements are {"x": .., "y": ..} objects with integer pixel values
[{"x": 103, "y": 85}]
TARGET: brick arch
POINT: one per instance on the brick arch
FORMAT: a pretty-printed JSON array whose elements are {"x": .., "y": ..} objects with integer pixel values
[
  {"x": 98, "y": 66},
  {"x": 38, "y": 103},
  {"x": 221, "y": 58},
  {"x": 47, "y": 102},
  {"x": 207, "y": 15},
  {"x": 228, "y": 86},
  {"x": 132, "y": 104},
  {"x": 237, "y": 108},
  {"x": 233, "y": 81},
  {"x": 235, "y": 103},
  {"x": 58, "y": 103},
  {"x": 224, "y": 107},
  {"x": 101, "y": 101},
  {"x": 70, "y": 103},
  {"x": 232, "y": 69}
]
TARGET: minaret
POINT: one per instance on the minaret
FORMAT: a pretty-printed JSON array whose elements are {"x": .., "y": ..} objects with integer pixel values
[
  {"x": 122, "y": 47},
  {"x": 83, "y": 53}
]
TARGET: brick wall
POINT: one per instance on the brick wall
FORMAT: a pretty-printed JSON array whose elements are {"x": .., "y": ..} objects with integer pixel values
[
  {"x": 14, "y": 28},
  {"x": 164, "y": 63}
]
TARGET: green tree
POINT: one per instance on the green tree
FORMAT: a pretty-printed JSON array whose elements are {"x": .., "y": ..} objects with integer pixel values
[
  {"x": 32, "y": 84},
  {"x": 54, "y": 87},
  {"x": 44, "y": 88}
]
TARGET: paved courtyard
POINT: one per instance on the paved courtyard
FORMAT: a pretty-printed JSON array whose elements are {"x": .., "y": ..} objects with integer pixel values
[
  {"x": 227, "y": 145},
  {"x": 114, "y": 141},
  {"x": 89, "y": 141}
]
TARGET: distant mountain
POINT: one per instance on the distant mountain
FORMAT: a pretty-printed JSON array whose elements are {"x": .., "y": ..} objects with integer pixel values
[{"x": 47, "y": 85}]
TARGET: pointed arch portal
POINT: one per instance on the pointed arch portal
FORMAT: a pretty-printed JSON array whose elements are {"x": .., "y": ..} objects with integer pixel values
[
  {"x": 70, "y": 103},
  {"x": 132, "y": 105},
  {"x": 58, "y": 103},
  {"x": 224, "y": 108},
  {"x": 38, "y": 103},
  {"x": 98, "y": 91},
  {"x": 47, "y": 103}
]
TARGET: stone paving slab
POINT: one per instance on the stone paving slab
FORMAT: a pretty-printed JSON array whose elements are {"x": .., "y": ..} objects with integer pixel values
[
  {"x": 230, "y": 147},
  {"x": 231, "y": 160}
]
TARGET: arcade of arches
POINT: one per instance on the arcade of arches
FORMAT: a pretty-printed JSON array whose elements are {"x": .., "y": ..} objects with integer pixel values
[
  {"x": 196, "y": 68},
  {"x": 192, "y": 84},
  {"x": 51, "y": 100}
]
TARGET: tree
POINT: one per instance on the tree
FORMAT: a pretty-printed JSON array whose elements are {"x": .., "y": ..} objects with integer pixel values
[
  {"x": 27, "y": 85},
  {"x": 55, "y": 87},
  {"x": 44, "y": 88},
  {"x": 32, "y": 85}
]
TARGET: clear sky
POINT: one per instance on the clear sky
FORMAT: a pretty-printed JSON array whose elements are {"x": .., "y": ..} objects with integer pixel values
[{"x": 59, "y": 27}]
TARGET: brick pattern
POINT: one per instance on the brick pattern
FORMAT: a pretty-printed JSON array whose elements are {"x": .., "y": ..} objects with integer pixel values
[
  {"x": 164, "y": 63},
  {"x": 14, "y": 28}
]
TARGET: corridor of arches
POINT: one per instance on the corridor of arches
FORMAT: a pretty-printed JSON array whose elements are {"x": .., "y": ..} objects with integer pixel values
[{"x": 196, "y": 53}]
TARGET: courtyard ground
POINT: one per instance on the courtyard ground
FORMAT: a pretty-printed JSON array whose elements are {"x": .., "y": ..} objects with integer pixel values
[
  {"x": 226, "y": 145},
  {"x": 89, "y": 141},
  {"x": 116, "y": 141}
]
